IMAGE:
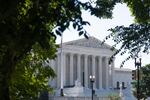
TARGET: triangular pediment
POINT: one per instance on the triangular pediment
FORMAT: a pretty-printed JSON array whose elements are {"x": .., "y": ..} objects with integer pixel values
[{"x": 92, "y": 42}]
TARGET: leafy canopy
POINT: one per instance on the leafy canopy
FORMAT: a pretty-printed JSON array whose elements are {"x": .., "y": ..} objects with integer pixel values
[
  {"x": 32, "y": 74},
  {"x": 140, "y": 9},
  {"x": 144, "y": 82},
  {"x": 136, "y": 37},
  {"x": 25, "y": 23}
]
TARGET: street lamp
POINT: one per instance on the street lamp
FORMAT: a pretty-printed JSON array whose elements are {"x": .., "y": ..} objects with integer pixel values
[
  {"x": 138, "y": 65},
  {"x": 92, "y": 79}
]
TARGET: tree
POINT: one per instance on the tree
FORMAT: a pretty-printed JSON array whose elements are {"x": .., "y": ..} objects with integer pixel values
[
  {"x": 139, "y": 9},
  {"x": 144, "y": 82},
  {"x": 32, "y": 74},
  {"x": 23, "y": 23},
  {"x": 145, "y": 90},
  {"x": 135, "y": 37}
]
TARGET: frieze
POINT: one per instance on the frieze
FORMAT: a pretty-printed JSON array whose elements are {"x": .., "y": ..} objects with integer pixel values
[{"x": 91, "y": 42}]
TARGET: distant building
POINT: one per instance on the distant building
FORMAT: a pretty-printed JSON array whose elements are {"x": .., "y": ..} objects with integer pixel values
[
  {"x": 84, "y": 57},
  {"x": 122, "y": 76}
]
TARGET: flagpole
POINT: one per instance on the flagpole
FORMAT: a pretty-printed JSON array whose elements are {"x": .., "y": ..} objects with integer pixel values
[{"x": 61, "y": 90}]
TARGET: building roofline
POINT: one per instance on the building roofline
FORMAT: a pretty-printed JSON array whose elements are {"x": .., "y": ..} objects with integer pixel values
[{"x": 123, "y": 69}]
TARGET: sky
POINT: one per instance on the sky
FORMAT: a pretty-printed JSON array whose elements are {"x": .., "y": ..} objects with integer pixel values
[{"x": 98, "y": 29}]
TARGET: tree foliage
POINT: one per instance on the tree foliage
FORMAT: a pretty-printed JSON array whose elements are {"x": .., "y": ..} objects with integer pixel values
[
  {"x": 32, "y": 74},
  {"x": 133, "y": 39},
  {"x": 23, "y": 23},
  {"x": 144, "y": 82},
  {"x": 140, "y": 9},
  {"x": 136, "y": 37}
]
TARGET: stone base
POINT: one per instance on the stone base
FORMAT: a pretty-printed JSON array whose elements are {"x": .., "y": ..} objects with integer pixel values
[{"x": 79, "y": 91}]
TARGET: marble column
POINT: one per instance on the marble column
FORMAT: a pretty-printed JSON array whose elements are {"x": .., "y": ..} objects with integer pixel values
[
  {"x": 107, "y": 72},
  {"x": 110, "y": 76},
  {"x": 85, "y": 71},
  {"x": 79, "y": 67},
  {"x": 67, "y": 69},
  {"x": 53, "y": 65},
  {"x": 58, "y": 81},
  {"x": 64, "y": 68},
  {"x": 112, "y": 73},
  {"x": 71, "y": 69},
  {"x": 61, "y": 70},
  {"x": 100, "y": 72},
  {"x": 93, "y": 68}
]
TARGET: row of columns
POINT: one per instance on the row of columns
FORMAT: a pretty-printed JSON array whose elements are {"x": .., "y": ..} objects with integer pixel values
[{"x": 100, "y": 70}]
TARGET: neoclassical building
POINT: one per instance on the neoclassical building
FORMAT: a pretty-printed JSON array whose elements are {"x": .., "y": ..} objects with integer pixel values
[{"x": 79, "y": 59}]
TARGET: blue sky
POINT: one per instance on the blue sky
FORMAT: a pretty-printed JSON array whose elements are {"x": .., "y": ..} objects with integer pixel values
[{"x": 99, "y": 27}]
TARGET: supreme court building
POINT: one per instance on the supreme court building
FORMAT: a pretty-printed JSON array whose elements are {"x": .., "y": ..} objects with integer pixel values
[{"x": 79, "y": 59}]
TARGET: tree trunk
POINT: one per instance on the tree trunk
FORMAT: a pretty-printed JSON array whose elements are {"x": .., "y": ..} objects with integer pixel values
[
  {"x": 6, "y": 69},
  {"x": 4, "y": 88}
]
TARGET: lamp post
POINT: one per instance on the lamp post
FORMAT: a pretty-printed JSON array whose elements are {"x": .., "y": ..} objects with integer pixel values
[
  {"x": 92, "y": 79},
  {"x": 138, "y": 65}
]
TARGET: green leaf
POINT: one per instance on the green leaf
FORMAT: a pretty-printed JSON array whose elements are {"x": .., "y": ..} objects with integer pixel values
[
  {"x": 80, "y": 33},
  {"x": 85, "y": 35},
  {"x": 74, "y": 25},
  {"x": 58, "y": 32}
]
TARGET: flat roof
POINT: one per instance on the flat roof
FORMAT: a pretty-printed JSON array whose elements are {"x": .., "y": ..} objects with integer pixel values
[{"x": 123, "y": 69}]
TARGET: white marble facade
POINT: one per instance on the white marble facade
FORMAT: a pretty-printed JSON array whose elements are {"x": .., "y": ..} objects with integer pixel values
[{"x": 82, "y": 58}]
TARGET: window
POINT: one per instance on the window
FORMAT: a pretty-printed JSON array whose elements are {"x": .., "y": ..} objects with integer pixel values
[
  {"x": 117, "y": 85},
  {"x": 123, "y": 85}
]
